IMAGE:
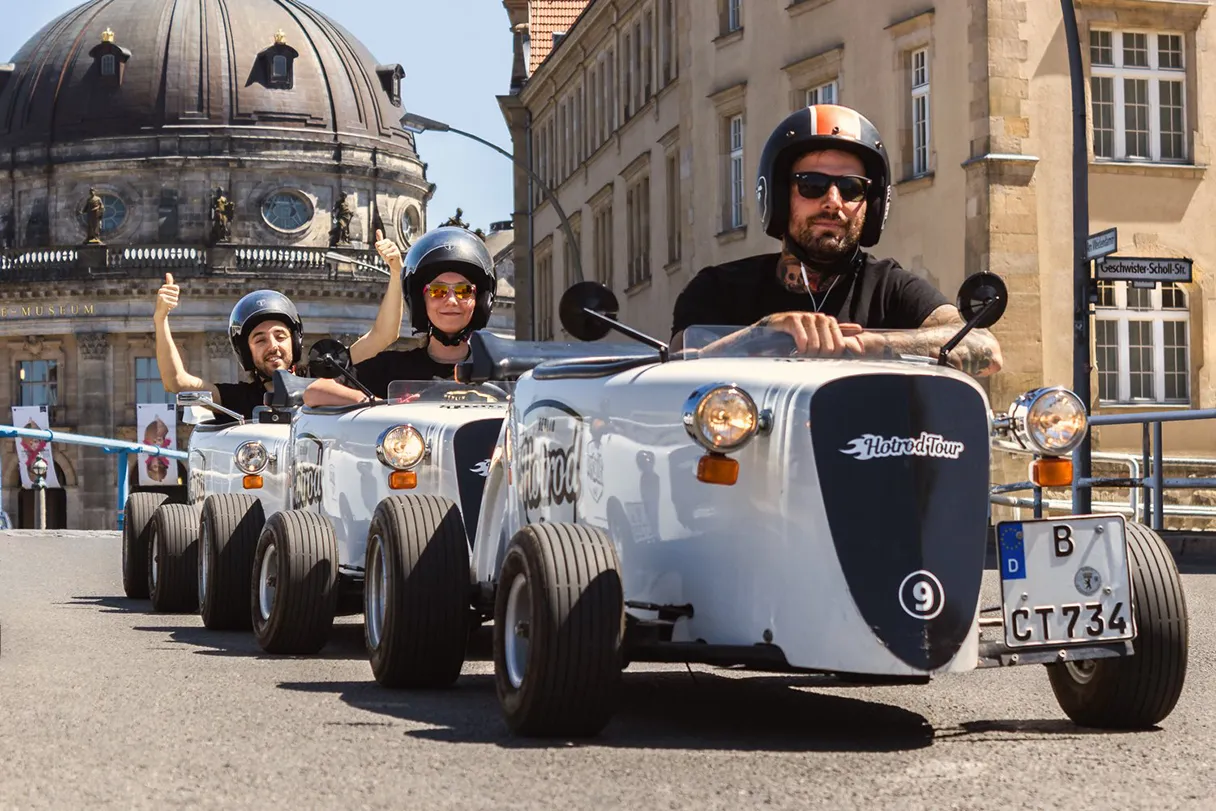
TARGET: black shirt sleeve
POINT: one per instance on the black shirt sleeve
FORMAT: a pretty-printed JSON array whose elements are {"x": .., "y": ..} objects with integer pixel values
[{"x": 910, "y": 300}]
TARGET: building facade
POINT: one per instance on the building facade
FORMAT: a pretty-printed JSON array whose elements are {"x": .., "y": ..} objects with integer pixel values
[
  {"x": 233, "y": 147},
  {"x": 648, "y": 117}
]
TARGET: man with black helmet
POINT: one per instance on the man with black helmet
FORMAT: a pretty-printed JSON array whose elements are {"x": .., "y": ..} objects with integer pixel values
[
  {"x": 267, "y": 334},
  {"x": 449, "y": 286},
  {"x": 824, "y": 190}
]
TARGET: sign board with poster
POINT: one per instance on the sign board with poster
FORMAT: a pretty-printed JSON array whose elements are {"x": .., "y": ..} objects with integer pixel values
[
  {"x": 28, "y": 449},
  {"x": 156, "y": 425}
]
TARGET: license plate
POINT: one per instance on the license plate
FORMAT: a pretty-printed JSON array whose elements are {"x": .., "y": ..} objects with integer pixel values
[{"x": 1065, "y": 581}]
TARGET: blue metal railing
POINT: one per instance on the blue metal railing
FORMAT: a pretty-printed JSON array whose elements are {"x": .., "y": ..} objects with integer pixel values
[{"x": 112, "y": 446}]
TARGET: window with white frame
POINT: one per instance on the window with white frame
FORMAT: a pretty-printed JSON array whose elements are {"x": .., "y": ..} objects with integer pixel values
[
  {"x": 37, "y": 382},
  {"x": 734, "y": 16},
  {"x": 1137, "y": 87},
  {"x": 1142, "y": 344},
  {"x": 821, "y": 94},
  {"x": 920, "y": 111},
  {"x": 735, "y": 188}
]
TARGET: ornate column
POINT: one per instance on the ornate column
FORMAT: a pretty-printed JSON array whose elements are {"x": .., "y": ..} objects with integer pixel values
[{"x": 97, "y": 475}]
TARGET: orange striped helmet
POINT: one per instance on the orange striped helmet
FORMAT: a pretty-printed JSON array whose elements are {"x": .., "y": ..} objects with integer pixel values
[{"x": 822, "y": 126}]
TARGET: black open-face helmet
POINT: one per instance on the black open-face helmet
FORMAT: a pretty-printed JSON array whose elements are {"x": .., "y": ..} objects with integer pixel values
[
  {"x": 253, "y": 309},
  {"x": 820, "y": 127},
  {"x": 448, "y": 248}
]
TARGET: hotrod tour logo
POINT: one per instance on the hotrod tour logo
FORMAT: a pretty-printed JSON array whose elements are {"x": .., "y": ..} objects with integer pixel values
[
  {"x": 872, "y": 446},
  {"x": 550, "y": 461}
]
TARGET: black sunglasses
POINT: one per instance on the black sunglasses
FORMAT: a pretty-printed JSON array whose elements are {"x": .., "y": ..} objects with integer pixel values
[{"x": 813, "y": 185}]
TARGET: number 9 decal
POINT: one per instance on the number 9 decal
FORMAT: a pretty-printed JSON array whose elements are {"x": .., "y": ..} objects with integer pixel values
[{"x": 921, "y": 595}]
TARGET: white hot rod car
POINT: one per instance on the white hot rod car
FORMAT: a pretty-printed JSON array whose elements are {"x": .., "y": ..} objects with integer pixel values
[{"x": 749, "y": 507}]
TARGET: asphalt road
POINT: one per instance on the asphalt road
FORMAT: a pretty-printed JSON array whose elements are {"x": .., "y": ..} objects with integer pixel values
[{"x": 105, "y": 705}]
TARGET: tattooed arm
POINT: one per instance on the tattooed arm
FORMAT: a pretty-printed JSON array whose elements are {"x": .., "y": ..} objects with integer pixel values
[{"x": 978, "y": 354}]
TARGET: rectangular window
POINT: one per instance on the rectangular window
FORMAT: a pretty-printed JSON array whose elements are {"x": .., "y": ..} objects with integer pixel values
[
  {"x": 109, "y": 65},
  {"x": 569, "y": 255},
  {"x": 673, "y": 207},
  {"x": 1142, "y": 345},
  {"x": 1138, "y": 95},
  {"x": 603, "y": 245},
  {"x": 648, "y": 55},
  {"x": 544, "y": 298},
  {"x": 637, "y": 215},
  {"x": 821, "y": 94},
  {"x": 38, "y": 383},
  {"x": 279, "y": 71},
  {"x": 734, "y": 15},
  {"x": 736, "y": 188},
  {"x": 667, "y": 41},
  {"x": 920, "y": 111},
  {"x": 148, "y": 386},
  {"x": 627, "y": 79}
]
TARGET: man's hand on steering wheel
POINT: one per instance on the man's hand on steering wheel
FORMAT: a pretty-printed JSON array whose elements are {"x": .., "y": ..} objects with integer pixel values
[{"x": 818, "y": 335}]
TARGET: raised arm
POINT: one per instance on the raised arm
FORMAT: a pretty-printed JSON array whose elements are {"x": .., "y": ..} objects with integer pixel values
[
  {"x": 173, "y": 372},
  {"x": 387, "y": 327}
]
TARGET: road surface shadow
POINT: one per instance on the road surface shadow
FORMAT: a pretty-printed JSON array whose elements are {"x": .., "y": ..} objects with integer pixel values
[
  {"x": 113, "y": 605},
  {"x": 345, "y": 642},
  {"x": 1037, "y": 729},
  {"x": 663, "y": 710}
]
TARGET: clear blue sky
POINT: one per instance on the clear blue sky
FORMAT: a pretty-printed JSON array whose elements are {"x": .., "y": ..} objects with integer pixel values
[{"x": 457, "y": 58}]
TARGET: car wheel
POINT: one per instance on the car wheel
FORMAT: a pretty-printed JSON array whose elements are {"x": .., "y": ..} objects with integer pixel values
[
  {"x": 228, "y": 538},
  {"x": 416, "y": 592},
  {"x": 136, "y": 541},
  {"x": 172, "y": 561},
  {"x": 1137, "y": 691},
  {"x": 294, "y": 594},
  {"x": 559, "y": 617}
]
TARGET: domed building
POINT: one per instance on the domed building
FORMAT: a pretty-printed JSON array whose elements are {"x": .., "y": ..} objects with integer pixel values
[{"x": 233, "y": 145}]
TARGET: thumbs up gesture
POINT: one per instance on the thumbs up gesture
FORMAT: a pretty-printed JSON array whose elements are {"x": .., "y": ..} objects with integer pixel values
[
  {"x": 388, "y": 251},
  {"x": 166, "y": 297}
]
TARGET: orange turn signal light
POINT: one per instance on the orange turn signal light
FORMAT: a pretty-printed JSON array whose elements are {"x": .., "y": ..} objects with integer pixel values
[
  {"x": 402, "y": 480},
  {"x": 1051, "y": 471},
  {"x": 253, "y": 482},
  {"x": 713, "y": 469}
]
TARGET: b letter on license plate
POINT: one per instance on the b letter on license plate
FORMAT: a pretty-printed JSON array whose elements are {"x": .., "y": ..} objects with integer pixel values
[{"x": 1065, "y": 581}]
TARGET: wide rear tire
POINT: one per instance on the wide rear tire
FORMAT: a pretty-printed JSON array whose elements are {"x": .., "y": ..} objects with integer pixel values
[
  {"x": 559, "y": 618},
  {"x": 173, "y": 561},
  {"x": 294, "y": 591},
  {"x": 1138, "y": 691},
  {"x": 228, "y": 539},
  {"x": 137, "y": 542}
]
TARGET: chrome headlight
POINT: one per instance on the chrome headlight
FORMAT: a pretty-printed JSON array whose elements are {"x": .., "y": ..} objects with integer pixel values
[
  {"x": 252, "y": 457},
  {"x": 1052, "y": 421},
  {"x": 721, "y": 418},
  {"x": 401, "y": 447}
]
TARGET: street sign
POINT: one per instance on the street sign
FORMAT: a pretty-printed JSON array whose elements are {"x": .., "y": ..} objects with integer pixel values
[
  {"x": 1102, "y": 243},
  {"x": 1136, "y": 269}
]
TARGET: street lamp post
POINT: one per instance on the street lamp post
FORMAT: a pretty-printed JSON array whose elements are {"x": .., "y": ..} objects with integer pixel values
[
  {"x": 38, "y": 468},
  {"x": 419, "y": 124}
]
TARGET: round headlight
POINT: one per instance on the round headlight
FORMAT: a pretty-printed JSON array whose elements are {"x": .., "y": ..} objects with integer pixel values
[
  {"x": 252, "y": 457},
  {"x": 1052, "y": 421},
  {"x": 401, "y": 447},
  {"x": 722, "y": 418}
]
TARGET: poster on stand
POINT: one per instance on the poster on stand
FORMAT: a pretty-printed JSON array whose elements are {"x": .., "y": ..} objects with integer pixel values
[
  {"x": 29, "y": 449},
  {"x": 156, "y": 425}
]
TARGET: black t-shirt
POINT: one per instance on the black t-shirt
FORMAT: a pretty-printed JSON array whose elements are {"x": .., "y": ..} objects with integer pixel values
[
  {"x": 416, "y": 364},
  {"x": 241, "y": 397},
  {"x": 878, "y": 295}
]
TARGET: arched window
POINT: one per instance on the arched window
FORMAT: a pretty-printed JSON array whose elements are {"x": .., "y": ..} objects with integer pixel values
[{"x": 109, "y": 65}]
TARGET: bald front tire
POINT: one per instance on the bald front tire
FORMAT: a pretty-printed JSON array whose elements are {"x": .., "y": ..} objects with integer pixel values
[
  {"x": 297, "y": 558},
  {"x": 575, "y": 609},
  {"x": 1137, "y": 691},
  {"x": 173, "y": 561},
  {"x": 228, "y": 538}
]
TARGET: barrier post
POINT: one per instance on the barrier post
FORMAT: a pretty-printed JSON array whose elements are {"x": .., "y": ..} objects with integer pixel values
[{"x": 122, "y": 488}]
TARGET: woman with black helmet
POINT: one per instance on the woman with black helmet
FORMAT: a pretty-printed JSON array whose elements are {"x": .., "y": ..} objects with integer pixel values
[
  {"x": 824, "y": 190},
  {"x": 449, "y": 285},
  {"x": 267, "y": 334}
]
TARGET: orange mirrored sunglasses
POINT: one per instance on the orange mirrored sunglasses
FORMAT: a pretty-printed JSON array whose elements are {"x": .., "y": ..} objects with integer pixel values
[{"x": 441, "y": 290}]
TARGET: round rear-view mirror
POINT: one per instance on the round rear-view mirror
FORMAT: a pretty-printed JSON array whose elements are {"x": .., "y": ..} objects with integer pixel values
[
  {"x": 321, "y": 367},
  {"x": 976, "y": 291},
  {"x": 580, "y": 298}
]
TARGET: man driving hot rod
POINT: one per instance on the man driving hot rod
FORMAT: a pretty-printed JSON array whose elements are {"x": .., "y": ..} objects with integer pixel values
[{"x": 824, "y": 189}]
